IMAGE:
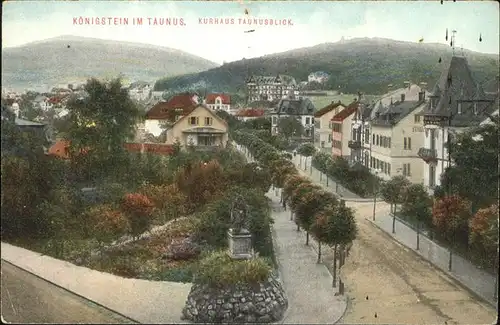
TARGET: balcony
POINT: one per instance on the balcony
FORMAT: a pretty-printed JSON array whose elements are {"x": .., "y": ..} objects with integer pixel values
[
  {"x": 428, "y": 155},
  {"x": 355, "y": 145}
]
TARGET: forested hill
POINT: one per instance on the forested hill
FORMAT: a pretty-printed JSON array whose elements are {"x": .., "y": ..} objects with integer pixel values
[{"x": 359, "y": 64}]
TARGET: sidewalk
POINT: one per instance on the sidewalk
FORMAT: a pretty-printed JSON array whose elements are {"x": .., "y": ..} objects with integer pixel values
[
  {"x": 318, "y": 177},
  {"x": 157, "y": 302},
  {"x": 476, "y": 280},
  {"x": 308, "y": 285}
]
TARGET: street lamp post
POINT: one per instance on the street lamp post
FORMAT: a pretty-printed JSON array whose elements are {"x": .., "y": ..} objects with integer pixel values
[{"x": 375, "y": 192}]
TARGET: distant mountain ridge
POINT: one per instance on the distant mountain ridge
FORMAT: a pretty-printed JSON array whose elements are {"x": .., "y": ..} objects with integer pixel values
[
  {"x": 66, "y": 59},
  {"x": 366, "y": 64}
]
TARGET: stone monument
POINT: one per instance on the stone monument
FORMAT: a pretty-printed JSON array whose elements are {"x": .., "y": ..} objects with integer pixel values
[{"x": 240, "y": 239}]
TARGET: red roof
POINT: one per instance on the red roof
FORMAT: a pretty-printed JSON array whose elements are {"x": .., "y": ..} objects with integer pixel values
[
  {"x": 327, "y": 109},
  {"x": 168, "y": 110},
  {"x": 226, "y": 99},
  {"x": 346, "y": 112},
  {"x": 60, "y": 149},
  {"x": 251, "y": 112},
  {"x": 54, "y": 100}
]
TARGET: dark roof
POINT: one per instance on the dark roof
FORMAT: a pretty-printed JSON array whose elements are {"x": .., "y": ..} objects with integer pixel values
[
  {"x": 492, "y": 85},
  {"x": 327, "y": 109},
  {"x": 301, "y": 106},
  {"x": 394, "y": 113},
  {"x": 457, "y": 85},
  {"x": 346, "y": 112},
  {"x": 280, "y": 78}
]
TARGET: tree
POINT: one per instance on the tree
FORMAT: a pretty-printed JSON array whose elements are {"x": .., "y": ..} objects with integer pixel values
[
  {"x": 417, "y": 205},
  {"x": 290, "y": 127},
  {"x": 472, "y": 176},
  {"x": 484, "y": 228},
  {"x": 138, "y": 209},
  {"x": 101, "y": 122},
  {"x": 450, "y": 216},
  {"x": 392, "y": 192},
  {"x": 306, "y": 150},
  {"x": 300, "y": 204},
  {"x": 251, "y": 175},
  {"x": 312, "y": 199},
  {"x": 341, "y": 229}
]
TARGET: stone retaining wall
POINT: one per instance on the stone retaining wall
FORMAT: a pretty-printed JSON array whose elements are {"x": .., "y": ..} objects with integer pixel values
[{"x": 262, "y": 303}]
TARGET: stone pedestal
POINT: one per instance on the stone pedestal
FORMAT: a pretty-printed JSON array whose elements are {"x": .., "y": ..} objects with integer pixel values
[{"x": 240, "y": 244}]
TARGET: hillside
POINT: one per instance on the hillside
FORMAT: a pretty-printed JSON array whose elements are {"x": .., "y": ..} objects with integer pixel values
[
  {"x": 42, "y": 64},
  {"x": 359, "y": 64}
]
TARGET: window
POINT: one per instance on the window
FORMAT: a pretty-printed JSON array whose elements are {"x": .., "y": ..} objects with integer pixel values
[
  {"x": 389, "y": 170},
  {"x": 330, "y": 138},
  {"x": 275, "y": 120},
  {"x": 308, "y": 120},
  {"x": 405, "y": 144},
  {"x": 459, "y": 108},
  {"x": 367, "y": 136},
  {"x": 406, "y": 170},
  {"x": 409, "y": 143},
  {"x": 208, "y": 120},
  {"x": 389, "y": 144},
  {"x": 475, "y": 108},
  {"x": 373, "y": 138},
  {"x": 378, "y": 140},
  {"x": 417, "y": 118},
  {"x": 193, "y": 120}
]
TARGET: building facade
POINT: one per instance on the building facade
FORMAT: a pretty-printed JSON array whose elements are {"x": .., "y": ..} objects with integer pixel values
[
  {"x": 457, "y": 103},
  {"x": 301, "y": 108},
  {"x": 201, "y": 129},
  {"x": 323, "y": 127},
  {"x": 270, "y": 88},
  {"x": 341, "y": 126},
  {"x": 218, "y": 102},
  {"x": 396, "y": 136}
]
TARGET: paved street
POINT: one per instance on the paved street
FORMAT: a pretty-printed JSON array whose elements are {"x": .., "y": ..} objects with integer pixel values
[
  {"x": 29, "y": 299},
  {"x": 308, "y": 285}
]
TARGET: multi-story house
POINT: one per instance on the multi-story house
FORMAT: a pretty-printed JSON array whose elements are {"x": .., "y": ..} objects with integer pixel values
[
  {"x": 341, "y": 127},
  {"x": 323, "y": 126},
  {"x": 457, "y": 103},
  {"x": 270, "y": 87},
  {"x": 360, "y": 133},
  {"x": 300, "y": 108},
  {"x": 163, "y": 114},
  {"x": 201, "y": 128},
  {"x": 218, "y": 102},
  {"x": 318, "y": 76},
  {"x": 396, "y": 136},
  {"x": 140, "y": 91}
]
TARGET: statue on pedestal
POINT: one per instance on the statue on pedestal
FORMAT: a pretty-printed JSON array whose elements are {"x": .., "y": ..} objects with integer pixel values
[{"x": 239, "y": 217}]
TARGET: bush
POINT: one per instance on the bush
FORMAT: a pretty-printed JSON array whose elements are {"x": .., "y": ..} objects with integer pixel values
[
  {"x": 182, "y": 274},
  {"x": 218, "y": 269}
]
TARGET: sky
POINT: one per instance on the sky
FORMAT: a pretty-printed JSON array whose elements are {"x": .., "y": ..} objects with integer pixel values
[{"x": 313, "y": 23}]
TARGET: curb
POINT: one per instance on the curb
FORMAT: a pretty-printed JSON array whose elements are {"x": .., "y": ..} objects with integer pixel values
[
  {"x": 74, "y": 293},
  {"x": 448, "y": 274},
  {"x": 314, "y": 247}
]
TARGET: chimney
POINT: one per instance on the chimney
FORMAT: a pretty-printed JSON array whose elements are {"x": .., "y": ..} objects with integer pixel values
[
  {"x": 402, "y": 97},
  {"x": 421, "y": 96}
]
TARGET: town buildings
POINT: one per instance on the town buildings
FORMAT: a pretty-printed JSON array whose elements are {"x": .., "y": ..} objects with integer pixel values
[
  {"x": 323, "y": 126},
  {"x": 318, "y": 76},
  {"x": 218, "y": 102},
  {"x": 396, "y": 136},
  {"x": 163, "y": 114},
  {"x": 270, "y": 87},
  {"x": 140, "y": 91},
  {"x": 457, "y": 103},
  {"x": 300, "y": 108},
  {"x": 201, "y": 128},
  {"x": 341, "y": 126}
]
